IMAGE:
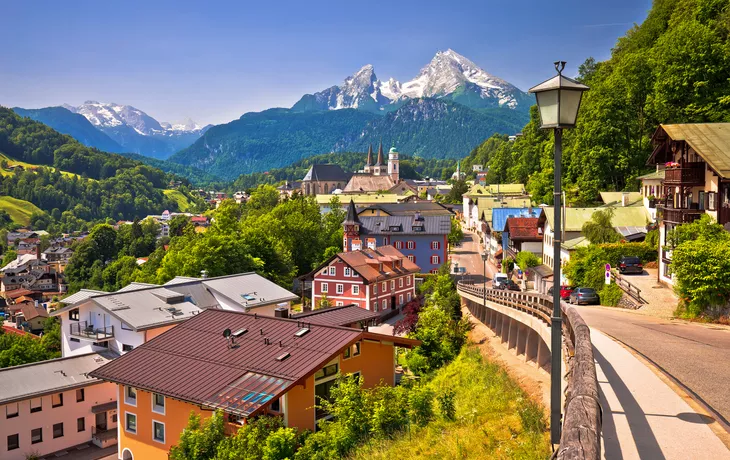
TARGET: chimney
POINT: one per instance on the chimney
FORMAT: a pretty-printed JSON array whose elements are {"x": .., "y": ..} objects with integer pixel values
[
  {"x": 624, "y": 199},
  {"x": 281, "y": 312},
  {"x": 38, "y": 251},
  {"x": 204, "y": 274}
]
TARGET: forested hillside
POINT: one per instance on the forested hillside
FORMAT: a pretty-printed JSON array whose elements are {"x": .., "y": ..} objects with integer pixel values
[
  {"x": 105, "y": 186},
  {"x": 673, "y": 68},
  {"x": 410, "y": 168}
]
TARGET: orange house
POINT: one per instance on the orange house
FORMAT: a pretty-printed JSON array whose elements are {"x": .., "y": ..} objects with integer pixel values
[{"x": 243, "y": 364}]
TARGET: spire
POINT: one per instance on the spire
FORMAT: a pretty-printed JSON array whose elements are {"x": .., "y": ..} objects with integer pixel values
[
  {"x": 351, "y": 218},
  {"x": 380, "y": 154},
  {"x": 370, "y": 156}
]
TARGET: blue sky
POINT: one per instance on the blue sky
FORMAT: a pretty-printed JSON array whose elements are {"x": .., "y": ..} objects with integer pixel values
[{"x": 213, "y": 61}]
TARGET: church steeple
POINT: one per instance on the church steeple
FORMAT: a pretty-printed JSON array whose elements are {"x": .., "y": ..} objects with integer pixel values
[
  {"x": 380, "y": 155},
  {"x": 351, "y": 227},
  {"x": 369, "y": 162}
]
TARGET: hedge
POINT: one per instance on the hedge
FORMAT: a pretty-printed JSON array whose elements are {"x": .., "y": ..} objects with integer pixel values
[
  {"x": 610, "y": 295},
  {"x": 614, "y": 251}
]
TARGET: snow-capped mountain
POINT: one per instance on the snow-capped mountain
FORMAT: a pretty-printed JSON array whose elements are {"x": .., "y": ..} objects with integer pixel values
[
  {"x": 448, "y": 75},
  {"x": 111, "y": 115}
]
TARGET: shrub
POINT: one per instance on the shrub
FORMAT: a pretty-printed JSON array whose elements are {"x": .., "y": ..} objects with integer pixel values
[
  {"x": 281, "y": 444},
  {"x": 702, "y": 271},
  {"x": 447, "y": 404},
  {"x": 526, "y": 259},
  {"x": 410, "y": 318},
  {"x": 610, "y": 295},
  {"x": 644, "y": 251},
  {"x": 420, "y": 400}
]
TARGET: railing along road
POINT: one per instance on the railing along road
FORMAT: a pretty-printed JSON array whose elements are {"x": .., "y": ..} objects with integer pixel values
[{"x": 581, "y": 431}]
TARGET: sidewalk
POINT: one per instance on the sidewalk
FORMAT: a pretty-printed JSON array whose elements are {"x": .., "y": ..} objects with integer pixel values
[{"x": 643, "y": 418}]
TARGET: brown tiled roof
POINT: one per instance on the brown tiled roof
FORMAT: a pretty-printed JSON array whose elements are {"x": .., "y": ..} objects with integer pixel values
[
  {"x": 366, "y": 263},
  {"x": 360, "y": 183},
  {"x": 193, "y": 362},
  {"x": 338, "y": 316},
  {"x": 523, "y": 229},
  {"x": 30, "y": 312}
]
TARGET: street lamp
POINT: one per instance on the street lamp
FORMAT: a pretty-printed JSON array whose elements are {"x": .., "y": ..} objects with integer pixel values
[{"x": 558, "y": 100}]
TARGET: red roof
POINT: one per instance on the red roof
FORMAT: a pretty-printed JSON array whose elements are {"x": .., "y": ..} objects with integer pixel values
[
  {"x": 523, "y": 229},
  {"x": 199, "y": 219},
  {"x": 338, "y": 316},
  {"x": 12, "y": 330},
  {"x": 30, "y": 312},
  {"x": 366, "y": 262},
  {"x": 193, "y": 361}
]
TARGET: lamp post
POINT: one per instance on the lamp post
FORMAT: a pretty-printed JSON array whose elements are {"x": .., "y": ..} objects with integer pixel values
[{"x": 558, "y": 100}]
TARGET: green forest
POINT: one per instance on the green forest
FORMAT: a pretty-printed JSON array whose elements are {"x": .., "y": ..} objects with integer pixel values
[{"x": 673, "y": 68}]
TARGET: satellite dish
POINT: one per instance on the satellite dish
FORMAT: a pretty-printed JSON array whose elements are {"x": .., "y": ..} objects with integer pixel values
[{"x": 227, "y": 333}]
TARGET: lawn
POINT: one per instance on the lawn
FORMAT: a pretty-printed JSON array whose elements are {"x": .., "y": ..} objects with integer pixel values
[
  {"x": 12, "y": 161},
  {"x": 182, "y": 201},
  {"x": 19, "y": 210},
  {"x": 494, "y": 419}
]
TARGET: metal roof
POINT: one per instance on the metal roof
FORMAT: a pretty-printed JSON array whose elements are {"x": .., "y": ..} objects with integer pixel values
[
  {"x": 326, "y": 173},
  {"x": 432, "y": 225},
  {"x": 249, "y": 290},
  {"x": 194, "y": 362},
  {"x": 617, "y": 197},
  {"x": 500, "y": 216},
  {"x": 360, "y": 199},
  {"x": 656, "y": 175},
  {"x": 52, "y": 376},
  {"x": 711, "y": 141},
  {"x": 338, "y": 316},
  {"x": 575, "y": 217},
  {"x": 82, "y": 295},
  {"x": 425, "y": 207}
]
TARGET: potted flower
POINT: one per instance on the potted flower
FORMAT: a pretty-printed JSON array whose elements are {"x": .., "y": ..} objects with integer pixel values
[{"x": 652, "y": 201}]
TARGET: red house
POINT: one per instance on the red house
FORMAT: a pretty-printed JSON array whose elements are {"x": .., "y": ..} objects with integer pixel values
[{"x": 378, "y": 280}]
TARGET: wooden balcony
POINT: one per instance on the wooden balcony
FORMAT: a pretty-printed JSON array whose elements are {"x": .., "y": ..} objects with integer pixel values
[
  {"x": 687, "y": 174},
  {"x": 681, "y": 216}
]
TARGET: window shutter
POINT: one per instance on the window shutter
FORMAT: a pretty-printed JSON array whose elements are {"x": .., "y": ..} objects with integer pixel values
[{"x": 707, "y": 200}]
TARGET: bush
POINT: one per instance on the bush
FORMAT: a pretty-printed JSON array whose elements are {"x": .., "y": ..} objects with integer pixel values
[
  {"x": 420, "y": 400},
  {"x": 526, "y": 259},
  {"x": 447, "y": 405},
  {"x": 610, "y": 295},
  {"x": 702, "y": 273},
  {"x": 644, "y": 251},
  {"x": 281, "y": 444}
]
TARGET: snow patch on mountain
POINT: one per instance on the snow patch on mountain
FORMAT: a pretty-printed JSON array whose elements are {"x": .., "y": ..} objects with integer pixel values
[{"x": 112, "y": 115}]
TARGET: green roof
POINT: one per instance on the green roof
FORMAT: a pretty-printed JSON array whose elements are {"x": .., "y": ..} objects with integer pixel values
[
  {"x": 494, "y": 189},
  {"x": 360, "y": 198},
  {"x": 485, "y": 204},
  {"x": 615, "y": 197},
  {"x": 576, "y": 243},
  {"x": 656, "y": 175},
  {"x": 629, "y": 216}
]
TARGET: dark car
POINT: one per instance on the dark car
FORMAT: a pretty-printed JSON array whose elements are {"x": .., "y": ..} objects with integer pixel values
[
  {"x": 582, "y": 295},
  {"x": 564, "y": 292},
  {"x": 509, "y": 285},
  {"x": 630, "y": 264}
]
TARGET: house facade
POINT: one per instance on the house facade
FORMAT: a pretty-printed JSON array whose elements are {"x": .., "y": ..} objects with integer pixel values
[
  {"x": 696, "y": 160},
  {"x": 53, "y": 406},
  {"x": 524, "y": 234},
  {"x": 378, "y": 280},
  {"x": 288, "y": 362},
  {"x": 324, "y": 179},
  {"x": 422, "y": 239}
]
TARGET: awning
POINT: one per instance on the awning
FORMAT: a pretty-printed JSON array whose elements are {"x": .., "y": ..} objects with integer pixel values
[
  {"x": 543, "y": 271},
  {"x": 99, "y": 408}
]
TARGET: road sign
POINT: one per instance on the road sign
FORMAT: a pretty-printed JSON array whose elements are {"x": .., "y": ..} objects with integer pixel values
[{"x": 608, "y": 273}]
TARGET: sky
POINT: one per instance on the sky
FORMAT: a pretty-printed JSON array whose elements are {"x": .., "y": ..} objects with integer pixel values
[{"x": 213, "y": 61}]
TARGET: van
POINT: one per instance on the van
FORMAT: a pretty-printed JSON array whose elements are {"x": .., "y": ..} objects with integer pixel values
[{"x": 499, "y": 280}]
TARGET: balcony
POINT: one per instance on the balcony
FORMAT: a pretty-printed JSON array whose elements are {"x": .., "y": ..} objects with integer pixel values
[
  {"x": 103, "y": 438},
  {"x": 84, "y": 330},
  {"x": 682, "y": 216},
  {"x": 687, "y": 174}
]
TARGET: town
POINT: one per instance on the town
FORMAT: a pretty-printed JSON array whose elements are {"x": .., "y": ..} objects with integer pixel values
[{"x": 433, "y": 263}]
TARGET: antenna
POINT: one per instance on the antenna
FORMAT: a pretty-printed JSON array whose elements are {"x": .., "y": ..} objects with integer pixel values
[{"x": 228, "y": 337}]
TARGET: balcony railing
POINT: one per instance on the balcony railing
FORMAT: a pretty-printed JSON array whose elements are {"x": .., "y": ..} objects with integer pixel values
[
  {"x": 687, "y": 174},
  {"x": 85, "y": 330},
  {"x": 682, "y": 216}
]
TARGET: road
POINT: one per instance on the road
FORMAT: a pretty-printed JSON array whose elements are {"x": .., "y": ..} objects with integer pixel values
[
  {"x": 696, "y": 355},
  {"x": 469, "y": 255}
]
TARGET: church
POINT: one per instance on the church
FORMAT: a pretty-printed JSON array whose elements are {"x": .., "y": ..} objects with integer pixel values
[{"x": 377, "y": 177}]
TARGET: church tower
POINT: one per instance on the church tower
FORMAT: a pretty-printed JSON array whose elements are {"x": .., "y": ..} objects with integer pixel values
[
  {"x": 393, "y": 166},
  {"x": 369, "y": 162},
  {"x": 379, "y": 167},
  {"x": 351, "y": 226}
]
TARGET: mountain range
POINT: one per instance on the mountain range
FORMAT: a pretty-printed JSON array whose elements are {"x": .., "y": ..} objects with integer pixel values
[{"x": 118, "y": 128}]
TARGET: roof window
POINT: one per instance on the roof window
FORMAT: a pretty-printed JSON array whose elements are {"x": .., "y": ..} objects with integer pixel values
[{"x": 301, "y": 332}]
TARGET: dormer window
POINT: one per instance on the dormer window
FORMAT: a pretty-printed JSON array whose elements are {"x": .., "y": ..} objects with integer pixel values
[
  {"x": 418, "y": 228},
  {"x": 395, "y": 228}
]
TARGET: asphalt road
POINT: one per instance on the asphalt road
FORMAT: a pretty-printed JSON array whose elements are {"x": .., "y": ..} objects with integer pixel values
[
  {"x": 696, "y": 355},
  {"x": 468, "y": 255}
]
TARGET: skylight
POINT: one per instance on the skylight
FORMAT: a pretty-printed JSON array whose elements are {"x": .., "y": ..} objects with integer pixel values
[
  {"x": 239, "y": 332},
  {"x": 248, "y": 297},
  {"x": 301, "y": 332},
  {"x": 283, "y": 357}
]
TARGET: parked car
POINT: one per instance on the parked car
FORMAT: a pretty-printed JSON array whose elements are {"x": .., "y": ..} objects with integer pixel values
[
  {"x": 630, "y": 264},
  {"x": 564, "y": 292},
  {"x": 499, "y": 278},
  {"x": 509, "y": 285},
  {"x": 583, "y": 295}
]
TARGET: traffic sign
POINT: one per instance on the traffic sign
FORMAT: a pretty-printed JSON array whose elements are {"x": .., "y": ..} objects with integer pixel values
[{"x": 608, "y": 273}]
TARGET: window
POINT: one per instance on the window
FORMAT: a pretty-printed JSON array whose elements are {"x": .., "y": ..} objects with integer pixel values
[
  {"x": 333, "y": 271},
  {"x": 353, "y": 350},
  {"x": 130, "y": 422},
  {"x": 385, "y": 304},
  {"x": 58, "y": 430},
  {"x": 435, "y": 271},
  {"x": 324, "y": 272},
  {"x": 130, "y": 396},
  {"x": 276, "y": 405},
  {"x": 435, "y": 260},
  {"x": 399, "y": 245},
  {"x": 101, "y": 344},
  {"x": 392, "y": 284},
  {"x": 384, "y": 287},
  {"x": 408, "y": 280},
  {"x": 434, "y": 245},
  {"x": 126, "y": 327},
  {"x": 80, "y": 395},
  {"x": 114, "y": 418},
  {"x": 325, "y": 287},
  {"x": 411, "y": 245},
  {"x": 348, "y": 271},
  {"x": 400, "y": 299},
  {"x": 340, "y": 288},
  {"x": 385, "y": 241},
  {"x": 126, "y": 347},
  {"x": 375, "y": 306},
  {"x": 36, "y": 435},
  {"x": 158, "y": 431},
  {"x": 408, "y": 296},
  {"x": 400, "y": 282},
  {"x": 57, "y": 400},
  {"x": 355, "y": 289},
  {"x": 36, "y": 405},
  {"x": 327, "y": 371},
  {"x": 701, "y": 200},
  {"x": 158, "y": 403},
  {"x": 80, "y": 424},
  {"x": 73, "y": 315},
  {"x": 13, "y": 442},
  {"x": 11, "y": 410},
  {"x": 712, "y": 201},
  {"x": 412, "y": 259},
  {"x": 74, "y": 340},
  {"x": 339, "y": 303},
  {"x": 375, "y": 288}
]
